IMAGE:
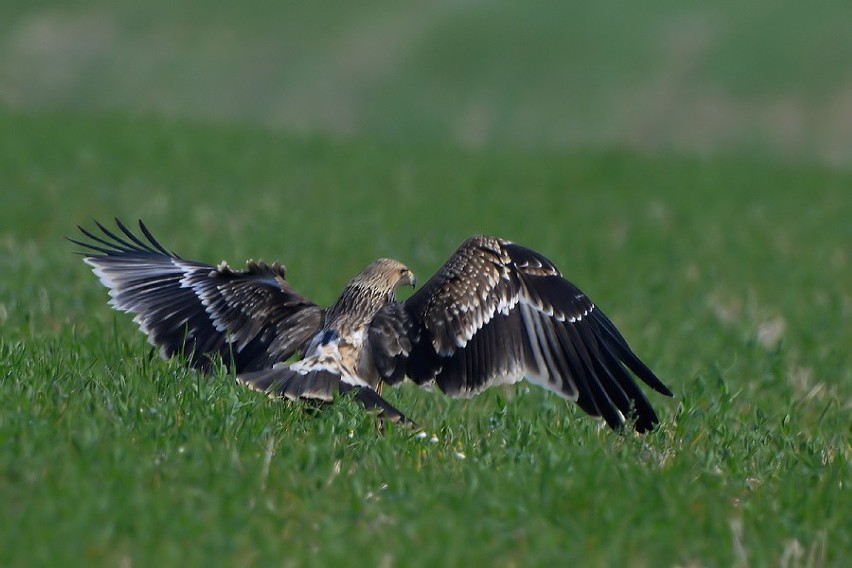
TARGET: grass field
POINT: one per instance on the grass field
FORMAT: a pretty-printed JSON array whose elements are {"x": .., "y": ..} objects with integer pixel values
[
  {"x": 730, "y": 278},
  {"x": 687, "y": 167}
]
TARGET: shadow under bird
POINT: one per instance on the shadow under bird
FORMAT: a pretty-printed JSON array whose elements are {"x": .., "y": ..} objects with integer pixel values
[{"x": 494, "y": 313}]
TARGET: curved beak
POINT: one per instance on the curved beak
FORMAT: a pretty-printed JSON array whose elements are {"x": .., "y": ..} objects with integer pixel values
[{"x": 411, "y": 279}]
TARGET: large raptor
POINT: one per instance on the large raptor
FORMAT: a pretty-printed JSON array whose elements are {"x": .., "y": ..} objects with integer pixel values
[{"x": 494, "y": 313}]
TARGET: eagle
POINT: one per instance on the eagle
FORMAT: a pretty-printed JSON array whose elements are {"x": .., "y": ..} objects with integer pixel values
[{"x": 494, "y": 313}]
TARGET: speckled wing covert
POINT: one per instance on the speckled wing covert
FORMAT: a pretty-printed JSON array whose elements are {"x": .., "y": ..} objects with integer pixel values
[
  {"x": 250, "y": 318},
  {"x": 497, "y": 312}
]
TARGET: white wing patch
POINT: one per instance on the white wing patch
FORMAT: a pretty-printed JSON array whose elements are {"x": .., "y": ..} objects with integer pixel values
[{"x": 326, "y": 357}]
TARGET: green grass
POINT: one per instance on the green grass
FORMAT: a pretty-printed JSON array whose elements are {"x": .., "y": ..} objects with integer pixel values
[{"x": 729, "y": 277}]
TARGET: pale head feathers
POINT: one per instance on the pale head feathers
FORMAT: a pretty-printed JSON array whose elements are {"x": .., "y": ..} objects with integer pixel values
[{"x": 385, "y": 274}]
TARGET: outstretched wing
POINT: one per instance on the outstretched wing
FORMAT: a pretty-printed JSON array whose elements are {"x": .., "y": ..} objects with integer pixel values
[
  {"x": 497, "y": 312},
  {"x": 250, "y": 318}
]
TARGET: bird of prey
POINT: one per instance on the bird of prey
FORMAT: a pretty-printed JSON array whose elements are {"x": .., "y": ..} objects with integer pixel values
[{"x": 494, "y": 313}]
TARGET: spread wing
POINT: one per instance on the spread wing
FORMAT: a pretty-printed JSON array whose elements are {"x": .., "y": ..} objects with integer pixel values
[
  {"x": 497, "y": 312},
  {"x": 250, "y": 318}
]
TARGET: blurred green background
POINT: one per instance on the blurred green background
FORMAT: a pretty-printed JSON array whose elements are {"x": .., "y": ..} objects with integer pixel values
[{"x": 766, "y": 77}]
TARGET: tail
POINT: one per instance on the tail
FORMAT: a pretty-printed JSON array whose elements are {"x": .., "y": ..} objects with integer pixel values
[{"x": 319, "y": 385}]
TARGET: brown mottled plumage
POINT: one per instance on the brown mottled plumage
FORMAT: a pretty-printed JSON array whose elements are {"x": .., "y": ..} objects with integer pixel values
[{"x": 495, "y": 313}]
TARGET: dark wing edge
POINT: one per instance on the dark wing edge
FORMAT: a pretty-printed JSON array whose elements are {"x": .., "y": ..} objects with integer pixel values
[
  {"x": 319, "y": 384},
  {"x": 497, "y": 312},
  {"x": 249, "y": 318}
]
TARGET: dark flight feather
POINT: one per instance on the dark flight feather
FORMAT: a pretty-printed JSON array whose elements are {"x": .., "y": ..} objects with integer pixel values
[
  {"x": 249, "y": 318},
  {"x": 318, "y": 384}
]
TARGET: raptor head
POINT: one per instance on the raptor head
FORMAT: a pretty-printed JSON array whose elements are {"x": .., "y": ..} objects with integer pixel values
[
  {"x": 367, "y": 293},
  {"x": 385, "y": 274}
]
